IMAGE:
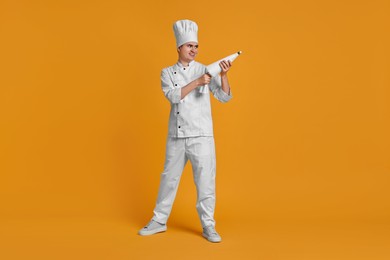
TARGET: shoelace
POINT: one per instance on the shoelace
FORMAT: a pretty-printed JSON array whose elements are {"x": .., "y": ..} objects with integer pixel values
[
  {"x": 211, "y": 231},
  {"x": 150, "y": 223}
]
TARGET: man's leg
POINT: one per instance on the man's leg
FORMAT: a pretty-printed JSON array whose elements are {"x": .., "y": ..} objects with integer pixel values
[
  {"x": 201, "y": 152},
  {"x": 174, "y": 164}
]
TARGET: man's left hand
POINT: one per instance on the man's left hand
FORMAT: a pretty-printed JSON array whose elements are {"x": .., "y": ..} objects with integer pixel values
[{"x": 225, "y": 66}]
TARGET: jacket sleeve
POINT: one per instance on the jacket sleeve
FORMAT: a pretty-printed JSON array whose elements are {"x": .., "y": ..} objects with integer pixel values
[
  {"x": 215, "y": 87},
  {"x": 171, "y": 93}
]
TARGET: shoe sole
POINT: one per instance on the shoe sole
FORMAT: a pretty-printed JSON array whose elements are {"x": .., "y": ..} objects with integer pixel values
[
  {"x": 151, "y": 232},
  {"x": 211, "y": 240}
]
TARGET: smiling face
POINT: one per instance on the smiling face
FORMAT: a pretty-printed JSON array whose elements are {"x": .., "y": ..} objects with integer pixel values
[{"x": 188, "y": 51}]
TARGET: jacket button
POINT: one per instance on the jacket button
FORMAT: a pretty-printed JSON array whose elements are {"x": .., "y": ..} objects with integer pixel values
[
  {"x": 184, "y": 68},
  {"x": 179, "y": 126},
  {"x": 175, "y": 85},
  {"x": 177, "y": 112},
  {"x": 174, "y": 72}
]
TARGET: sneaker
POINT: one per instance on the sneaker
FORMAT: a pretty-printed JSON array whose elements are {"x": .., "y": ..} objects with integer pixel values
[
  {"x": 211, "y": 234},
  {"x": 151, "y": 228}
]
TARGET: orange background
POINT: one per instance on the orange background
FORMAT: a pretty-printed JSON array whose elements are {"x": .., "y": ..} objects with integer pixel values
[{"x": 303, "y": 148}]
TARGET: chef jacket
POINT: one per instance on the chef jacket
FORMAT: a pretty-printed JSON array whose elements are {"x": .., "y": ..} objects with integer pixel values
[{"x": 190, "y": 116}]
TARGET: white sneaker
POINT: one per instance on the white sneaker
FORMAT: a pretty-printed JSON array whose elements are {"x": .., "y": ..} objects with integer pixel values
[
  {"x": 211, "y": 234},
  {"x": 151, "y": 228}
]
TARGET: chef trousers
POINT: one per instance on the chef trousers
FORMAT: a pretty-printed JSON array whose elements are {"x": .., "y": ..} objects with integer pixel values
[{"x": 201, "y": 153}]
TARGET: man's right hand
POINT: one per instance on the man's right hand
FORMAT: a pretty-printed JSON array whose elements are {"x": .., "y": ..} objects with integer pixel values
[{"x": 203, "y": 80}]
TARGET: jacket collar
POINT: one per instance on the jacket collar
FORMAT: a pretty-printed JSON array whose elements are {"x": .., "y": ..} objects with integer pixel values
[{"x": 179, "y": 65}]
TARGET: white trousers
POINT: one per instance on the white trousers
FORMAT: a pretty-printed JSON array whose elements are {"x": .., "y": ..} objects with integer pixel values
[{"x": 201, "y": 152}]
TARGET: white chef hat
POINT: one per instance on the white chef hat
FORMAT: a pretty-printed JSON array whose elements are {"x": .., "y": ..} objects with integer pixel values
[{"x": 185, "y": 31}]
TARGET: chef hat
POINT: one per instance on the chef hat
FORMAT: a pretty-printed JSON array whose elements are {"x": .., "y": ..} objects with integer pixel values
[{"x": 185, "y": 31}]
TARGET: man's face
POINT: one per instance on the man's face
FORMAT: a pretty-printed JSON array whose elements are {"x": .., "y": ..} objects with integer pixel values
[{"x": 188, "y": 51}]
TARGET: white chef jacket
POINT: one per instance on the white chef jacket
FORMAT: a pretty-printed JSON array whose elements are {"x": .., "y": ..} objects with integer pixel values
[{"x": 190, "y": 116}]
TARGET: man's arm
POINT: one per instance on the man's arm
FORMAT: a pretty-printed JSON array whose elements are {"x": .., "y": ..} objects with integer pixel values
[
  {"x": 203, "y": 80},
  {"x": 225, "y": 66},
  {"x": 219, "y": 85},
  {"x": 174, "y": 95}
]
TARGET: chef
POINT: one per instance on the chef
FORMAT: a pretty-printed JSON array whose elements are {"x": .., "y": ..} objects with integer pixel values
[{"x": 190, "y": 131}]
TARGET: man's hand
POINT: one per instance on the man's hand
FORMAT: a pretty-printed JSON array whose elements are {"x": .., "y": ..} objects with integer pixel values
[
  {"x": 225, "y": 66},
  {"x": 203, "y": 80}
]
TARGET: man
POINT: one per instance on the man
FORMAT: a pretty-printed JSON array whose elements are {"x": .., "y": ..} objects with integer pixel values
[{"x": 190, "y": 134}]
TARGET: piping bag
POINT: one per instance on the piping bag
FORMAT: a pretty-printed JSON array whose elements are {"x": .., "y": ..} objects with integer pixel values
[{"x": 214, "y": 69}]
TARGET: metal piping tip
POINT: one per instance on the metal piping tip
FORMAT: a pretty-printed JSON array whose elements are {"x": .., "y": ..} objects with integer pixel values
[{"x": 239, "y": 52}]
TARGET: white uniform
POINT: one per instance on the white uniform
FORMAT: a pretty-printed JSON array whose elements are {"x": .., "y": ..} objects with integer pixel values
[{"x": 190, "y": 136}]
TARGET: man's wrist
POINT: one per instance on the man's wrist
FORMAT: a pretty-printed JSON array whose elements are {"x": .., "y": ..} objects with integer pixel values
[{"x": 197, "y": 84}]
